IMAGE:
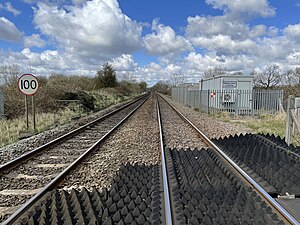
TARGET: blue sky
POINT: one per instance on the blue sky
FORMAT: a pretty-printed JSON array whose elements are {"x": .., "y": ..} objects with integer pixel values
[{"x": 150, "y": 40}]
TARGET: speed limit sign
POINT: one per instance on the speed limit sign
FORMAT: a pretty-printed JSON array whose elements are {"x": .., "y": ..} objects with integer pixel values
[{"x": 28, "y": 84}]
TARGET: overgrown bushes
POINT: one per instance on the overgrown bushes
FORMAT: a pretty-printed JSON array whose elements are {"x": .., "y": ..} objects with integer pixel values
[
  {"x": 55, "y": 91},
  {"x": 83, "y": 98},
  {"x": 291, "y": 90}
]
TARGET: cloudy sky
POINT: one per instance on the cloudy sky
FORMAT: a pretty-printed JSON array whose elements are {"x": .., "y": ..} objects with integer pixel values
[{"x": 149, "y": 39}]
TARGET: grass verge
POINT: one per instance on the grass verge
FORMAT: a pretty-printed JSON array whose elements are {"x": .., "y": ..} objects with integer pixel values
[
  {"x": 265, "y": 123},
  {"x": 11, "y": 130}
]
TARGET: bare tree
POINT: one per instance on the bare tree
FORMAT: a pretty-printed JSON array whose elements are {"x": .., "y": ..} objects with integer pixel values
[
  {"x": 237, "y": 73},
  {"x": 297, "y": 74},
  {"x": 289, "y": 77},
  {"x": 177, "y": 78},
  {"x": 269, "y": 78},
  {"x": 216, "y": 71},
  {"x": 9, "y": 74},
  {"x": 128, "y": 77}
]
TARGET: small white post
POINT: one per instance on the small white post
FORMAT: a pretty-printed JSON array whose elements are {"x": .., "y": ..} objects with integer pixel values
[{"x": 289, "y": 119}]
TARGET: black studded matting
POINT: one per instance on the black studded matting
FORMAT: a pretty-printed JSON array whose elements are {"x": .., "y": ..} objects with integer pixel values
[
  {"x": 202, "y": 189},
  {"x": 134, "y": 198},
  {"x": 268, "y": 157},
  {"x": 208, "y": 193}
]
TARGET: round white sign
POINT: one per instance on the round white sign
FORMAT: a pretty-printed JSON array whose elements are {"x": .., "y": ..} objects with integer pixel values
[{"x": 28, "y": 84}]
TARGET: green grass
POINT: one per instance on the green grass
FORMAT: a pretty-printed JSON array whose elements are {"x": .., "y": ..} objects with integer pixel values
[
  {"x": 106, "y": 98},
  {"x": 265, "y": 123},
  {"x": 11, "y": 130},
  {"x": 223, "y": 116},
  {"x": 273, "y": 124}
]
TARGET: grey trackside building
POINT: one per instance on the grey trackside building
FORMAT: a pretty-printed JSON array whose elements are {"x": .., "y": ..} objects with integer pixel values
[
  {"x": 227, "y": 92},
  {"x": 230, "y": 93}
]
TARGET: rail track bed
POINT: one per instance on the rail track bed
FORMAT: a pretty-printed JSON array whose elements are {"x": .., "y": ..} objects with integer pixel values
[
  {"x": 167, "y": 171},
  {"x": 25, "y": 145},
  {"x": 27, "y": 175}
]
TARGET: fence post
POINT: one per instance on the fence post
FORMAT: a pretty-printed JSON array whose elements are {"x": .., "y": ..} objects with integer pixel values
[
  {"x": 208, "y": 96},
  {"x": 281, "y": 109},
  {"x": 185, "y": 93},
  {"x": 200, "y": 100},
  {"x": 289, "y": 119},
  {"x": 236, "y": 93}
]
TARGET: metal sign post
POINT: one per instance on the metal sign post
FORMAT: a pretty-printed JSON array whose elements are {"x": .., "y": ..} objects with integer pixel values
[
  {"x": 33, "y": 112},
  {"x": 26, "y": 112},
  {"x": 28, "y": 85}
]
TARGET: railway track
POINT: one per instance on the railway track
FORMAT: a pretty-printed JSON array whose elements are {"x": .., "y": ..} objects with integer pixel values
[
  {"x": 196, "y": 183},
  {"x": 29, "y": 176},
  {"x": 207, "y": 186}
]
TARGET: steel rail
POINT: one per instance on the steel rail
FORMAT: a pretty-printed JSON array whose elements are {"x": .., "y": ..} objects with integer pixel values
[
  {"x": 168, "y": 213},
  {"x": 281, "y": 210},
  {"x": 17, "y": 161},
  {"x": 280, "y": 147},
  {"x": 52, "y": 184}
]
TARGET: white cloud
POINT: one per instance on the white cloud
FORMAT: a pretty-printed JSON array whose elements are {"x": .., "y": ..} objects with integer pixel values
[
  {"x": 164, "y": 41},
  {"x": 51, "y": 2},
  {"x": 154, "y": 72},
  {"x": 8, "y": 31},
  {"x": 91, "y": 33},
  {"x": 273, "y": 31},
  {"x": 124, "y": 63},
  {"x": 229, "y": 36},
  {"x": 244, "y": 9},
  {"x": 99, "y": 29},
  {"x": 210, "y": 26},
  {"x": 293, "y": 31},
  {"x": 258, "y": 31},
  {"x": 294, "y": 58},
  {"x": 196, "y": 63},
  {"x": 49, "y": 61},
  {"x": 223, "y": 44},
  {"x": 8, "y": 7},
  {"x": 34, "y": 41},
  {"x": 79, "y": 2}
]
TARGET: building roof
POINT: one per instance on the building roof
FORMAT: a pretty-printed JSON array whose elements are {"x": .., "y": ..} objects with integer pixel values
[{"x": 228, "y": 76}]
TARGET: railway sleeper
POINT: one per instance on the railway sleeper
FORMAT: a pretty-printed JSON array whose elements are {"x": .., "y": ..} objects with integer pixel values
[{"x": 135, "y": 197}]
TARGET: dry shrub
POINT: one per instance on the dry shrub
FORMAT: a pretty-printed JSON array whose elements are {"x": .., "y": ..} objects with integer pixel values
[
  {"x": 50, "y": 89},
  {"x": 59, "y": 87}
]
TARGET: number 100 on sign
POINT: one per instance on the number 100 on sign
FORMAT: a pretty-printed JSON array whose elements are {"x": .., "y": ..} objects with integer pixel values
[{"x": 28, "y": 84}]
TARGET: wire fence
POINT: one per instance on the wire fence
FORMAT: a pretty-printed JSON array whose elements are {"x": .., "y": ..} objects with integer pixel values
[{"x": 239, "y": 102}]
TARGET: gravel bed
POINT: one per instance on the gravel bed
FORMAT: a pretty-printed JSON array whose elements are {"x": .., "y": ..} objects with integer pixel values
[
  {"x": 36, "y": 171},
  {"x": 177, "y": 133},
  {"x": 17, "y": 199},
  {"x": 14, "y": 150},
  {"x": 61, "y": 152},
  {"x": 64, "y": 159},
  {"x": 136, "y": 141},
  {"x": 210, "y": 126},
  {"x": 25, "y": 184}
]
